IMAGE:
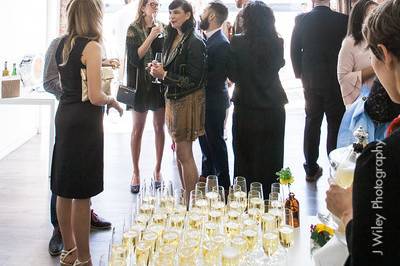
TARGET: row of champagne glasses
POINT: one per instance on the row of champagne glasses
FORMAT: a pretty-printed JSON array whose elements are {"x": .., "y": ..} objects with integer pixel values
[{"x": 213, "y": 230}]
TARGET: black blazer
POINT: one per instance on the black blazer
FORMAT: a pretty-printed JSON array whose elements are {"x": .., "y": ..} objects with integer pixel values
[
  {"x": 218, "y": 55},
  {"x": 186, "y": 65},
  {"x": 316, "y": 41},
  {"x": 371, "y": 239},
  {"x": 256, "y": 86}
]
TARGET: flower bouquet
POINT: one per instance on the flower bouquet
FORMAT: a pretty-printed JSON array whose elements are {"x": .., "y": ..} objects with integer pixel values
[{"x": 320, "y": 235}]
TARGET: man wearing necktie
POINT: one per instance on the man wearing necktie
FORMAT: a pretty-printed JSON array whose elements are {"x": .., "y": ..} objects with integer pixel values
[{"x": 213, "y": 146}]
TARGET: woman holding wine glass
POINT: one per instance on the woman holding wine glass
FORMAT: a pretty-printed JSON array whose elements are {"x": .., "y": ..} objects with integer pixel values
[
  {"x": 184, "y": 73},
  {"x": 144, "y": 42},
  {"x": 368, "y": 209}
]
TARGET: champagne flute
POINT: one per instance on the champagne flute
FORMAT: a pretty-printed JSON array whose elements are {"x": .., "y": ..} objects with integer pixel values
[
  {"x": 180, "y": 202},
  {"x": 241, "y": 181},
  {"x": 257, "y": 186},
  {"x": 201, "y": 186},
  {"x": 270, "y": 245},
  {"x": 158, "y": 24},
  {"x": 212, "y": 188},
  {"x": 158, "y": 59},
  {"x": 286, "y": 231}
]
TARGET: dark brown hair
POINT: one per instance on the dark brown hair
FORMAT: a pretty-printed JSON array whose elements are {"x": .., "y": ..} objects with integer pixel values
[
  {"x": 356, "y": 20},
  {"x": 383, "y": 27}
]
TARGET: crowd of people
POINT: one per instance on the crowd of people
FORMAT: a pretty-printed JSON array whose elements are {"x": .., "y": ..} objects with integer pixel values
[{"x": 181, "y": 72}]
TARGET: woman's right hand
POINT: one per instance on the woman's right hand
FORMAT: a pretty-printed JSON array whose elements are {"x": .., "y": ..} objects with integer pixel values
[
  {"x": 114, "y": 104},
  {"x": 155, "y": 31}
]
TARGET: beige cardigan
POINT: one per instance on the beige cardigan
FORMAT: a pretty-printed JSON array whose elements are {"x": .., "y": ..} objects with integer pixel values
[{"x": 352, "y": 59}]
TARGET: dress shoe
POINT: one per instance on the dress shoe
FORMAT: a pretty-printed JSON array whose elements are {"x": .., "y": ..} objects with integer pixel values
[
  {"x": 55, "y": 244},
  {"x": 135, "y": 189},
  {"x": 314, "y": 177},
  {"x": 98, "y": 223}
]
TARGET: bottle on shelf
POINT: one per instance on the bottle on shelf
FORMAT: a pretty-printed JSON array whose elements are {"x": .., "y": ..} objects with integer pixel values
[
  {"x": 293, "y": 204},
  {"x": 5, "y": 70},
  {"x": 14, "y": 71}
]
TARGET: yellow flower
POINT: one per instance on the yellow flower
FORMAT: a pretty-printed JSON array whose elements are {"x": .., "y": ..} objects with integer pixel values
[
  {"x": 324, "y": 228},
  {"x": 287, "y": 181}
]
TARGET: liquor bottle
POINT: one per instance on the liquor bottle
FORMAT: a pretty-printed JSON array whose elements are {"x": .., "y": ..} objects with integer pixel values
[
  {"x": 14, "y": 71},
  {"x": 5, "y": 71},
  {"x": 293, "y": 204}
]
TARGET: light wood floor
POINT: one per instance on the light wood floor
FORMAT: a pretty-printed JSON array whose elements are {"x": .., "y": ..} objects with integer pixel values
[{"x": 25, "y": 227}]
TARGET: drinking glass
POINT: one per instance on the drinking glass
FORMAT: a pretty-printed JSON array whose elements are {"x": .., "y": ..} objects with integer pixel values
[
  {"x": 241, "y": 181},
  {"x": 276, "y": 187},
  {"x": 270, "y": 242},
  {"x": 257, "y": 186},
  {"x": 180, "y": 201},
  {"x": 211, "y": 190},
  {"x": 286, "y": 230},
  {"x": 158, "y": 59},
  {"x": 210, "y": 253},
  {"x": 195, "y": 197},
  {"x": 201, "y": 186},
  {"x": 230, "y": 256},
  {"x": 255, "y": 205},
  {"x": 158, "y": 24}
]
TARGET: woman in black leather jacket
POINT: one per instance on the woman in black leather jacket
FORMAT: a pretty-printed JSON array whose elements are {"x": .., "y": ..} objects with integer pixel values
[{"x": 184, "y": 73}]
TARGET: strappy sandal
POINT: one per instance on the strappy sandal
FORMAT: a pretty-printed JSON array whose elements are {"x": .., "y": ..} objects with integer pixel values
[
  {"x": 64, "y": 255},
  {"x": 81, "y": 263}
]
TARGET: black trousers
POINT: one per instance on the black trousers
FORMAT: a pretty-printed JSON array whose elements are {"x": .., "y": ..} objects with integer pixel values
[
  {"x": 258, "y": 144},
  {"x": 53, "y": 211},
  {"x": 318, "y": 104},
  {"x": 213, "y": 147}
]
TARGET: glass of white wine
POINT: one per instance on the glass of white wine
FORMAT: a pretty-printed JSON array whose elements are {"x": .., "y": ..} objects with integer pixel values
[
  {"x": 286, "y": 231},
  {"x": 157, "y": 60},
  {"x": 270, "y": 242},
  {"x": 212, "y": 189},
  {"x": 257, "y": 186}
]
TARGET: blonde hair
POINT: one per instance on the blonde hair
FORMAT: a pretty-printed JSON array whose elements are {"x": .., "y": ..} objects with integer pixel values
[
  {"x": 139, "y": 19},
  {"x": 85, "y": 19}
]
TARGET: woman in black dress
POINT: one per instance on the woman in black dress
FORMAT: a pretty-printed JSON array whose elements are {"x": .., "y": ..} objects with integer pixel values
[
  {"x": 144, "y": 39},
  {"x": 77, "y": 167},
  {"x": 369, "y": 209},
  {"x": 258, "y": 126}
]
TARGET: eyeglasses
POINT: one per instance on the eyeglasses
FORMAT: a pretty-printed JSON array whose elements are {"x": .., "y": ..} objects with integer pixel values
[{"x": 154, "y": 4}]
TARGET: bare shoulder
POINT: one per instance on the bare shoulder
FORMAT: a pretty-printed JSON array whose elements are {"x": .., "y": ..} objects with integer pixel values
[
  {"x": 92, "y": 51},
  {"x": 92, "y": 46}
]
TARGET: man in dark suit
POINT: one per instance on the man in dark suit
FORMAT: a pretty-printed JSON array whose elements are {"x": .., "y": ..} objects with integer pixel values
[
  {"x": 213, "y": 146},
  {"x": 315, "y": 45}
]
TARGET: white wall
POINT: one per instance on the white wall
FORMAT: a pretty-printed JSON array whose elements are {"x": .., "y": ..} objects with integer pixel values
[{"x": 27, "y": 28}]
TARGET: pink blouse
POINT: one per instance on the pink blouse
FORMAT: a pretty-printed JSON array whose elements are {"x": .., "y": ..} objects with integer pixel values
[{"x": 352, "y": 59}]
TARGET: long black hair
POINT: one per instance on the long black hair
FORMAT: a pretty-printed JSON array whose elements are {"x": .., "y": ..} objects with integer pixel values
[
  {"x": 259, "y": 29},
  {"x": 356, "y": 19}
]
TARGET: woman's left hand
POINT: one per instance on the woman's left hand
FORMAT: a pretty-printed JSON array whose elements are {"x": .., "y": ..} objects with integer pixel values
[
  {"x": 157, "y": 70},
  {"x": 339, "y": 201}
]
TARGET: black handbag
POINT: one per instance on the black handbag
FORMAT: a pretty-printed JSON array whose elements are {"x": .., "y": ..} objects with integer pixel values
[{"x": 127, "y": 94}]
